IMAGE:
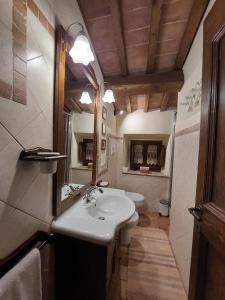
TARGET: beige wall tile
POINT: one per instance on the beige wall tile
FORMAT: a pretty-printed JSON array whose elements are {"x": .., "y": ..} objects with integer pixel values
[
  {"x": 183, "y": 196},
  {"x": 37, "y": 199},
  {"x": 16, "y": 227},
  {"x": 5, "y": 138},
  {"x": 20, "y": 115},
  {"x": 6, "y": 53},
  {"x": 6, "y": 13},
  {"x": 15, "y": 175},
  {"x": 37, "y": 133}
]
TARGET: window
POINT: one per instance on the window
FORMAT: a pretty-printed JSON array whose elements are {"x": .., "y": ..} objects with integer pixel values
[
  {"x": 148, "y": 154},
  {"x": 86, "y": 151}
]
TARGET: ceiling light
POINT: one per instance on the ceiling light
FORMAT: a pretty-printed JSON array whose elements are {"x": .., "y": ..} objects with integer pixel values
[
  {"x": 108, "y": 96},
  {"x": 81, "y": 51},
  {"x": 121, "y": 112},
  {"x": 85, "y": 98}
]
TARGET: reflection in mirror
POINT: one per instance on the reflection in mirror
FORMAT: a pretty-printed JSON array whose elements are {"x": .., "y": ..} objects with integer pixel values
[{"x": 79, "y": 141}]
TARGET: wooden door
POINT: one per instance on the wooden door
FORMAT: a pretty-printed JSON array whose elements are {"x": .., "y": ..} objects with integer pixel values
[{"x": 207, "y": 279}]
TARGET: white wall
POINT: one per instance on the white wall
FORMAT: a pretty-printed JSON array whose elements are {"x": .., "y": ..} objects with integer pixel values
[
  {"x": 138, "y": 122},
  {"x": 83, "y": 123},
  {"x": 186, "y": 162},
  {"x": 156, "y": 124}
]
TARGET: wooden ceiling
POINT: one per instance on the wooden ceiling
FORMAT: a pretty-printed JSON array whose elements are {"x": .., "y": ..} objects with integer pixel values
[{"x": 141, "y": 45}]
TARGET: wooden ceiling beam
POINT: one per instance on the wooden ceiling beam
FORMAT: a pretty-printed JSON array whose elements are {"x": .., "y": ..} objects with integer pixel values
[
  {"x": 173, "y": 79},
  {"x": 128, "y": 104},
  {"x": 196, "y": 15},
  {"x": 158, "y": 82},
  {"x": 90, "y": 76},
  {"x": 164, "y": 102},
  {"x": 76, "y": 105},
  {"x": 118, "y": 34},
  {"x": 156, "y": 12},
  {"x": 146, "y": 104}
]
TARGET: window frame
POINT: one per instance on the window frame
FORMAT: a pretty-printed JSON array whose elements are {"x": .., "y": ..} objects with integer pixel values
[{"x": 146, "y": 143}]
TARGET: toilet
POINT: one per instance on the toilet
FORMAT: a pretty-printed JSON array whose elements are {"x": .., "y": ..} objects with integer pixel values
[{"x": 125, "y": 234}]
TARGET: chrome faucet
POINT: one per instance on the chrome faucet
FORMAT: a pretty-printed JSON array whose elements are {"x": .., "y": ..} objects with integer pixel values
[{"x": 88, "y": 194}]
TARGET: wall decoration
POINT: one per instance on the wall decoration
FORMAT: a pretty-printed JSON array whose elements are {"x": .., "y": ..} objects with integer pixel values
[
  {"x": 103, "y": 128},
  {"x": 193, "y": 99},
  {"x": 104, "y": 113},
  {"x": 103, "y": 144}
]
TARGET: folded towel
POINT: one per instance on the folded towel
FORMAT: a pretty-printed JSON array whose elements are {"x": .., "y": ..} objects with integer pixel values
[{"x": 23, "y": 282}]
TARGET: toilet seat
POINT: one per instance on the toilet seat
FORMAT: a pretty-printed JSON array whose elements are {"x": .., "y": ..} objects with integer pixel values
[{"x": 137, "y": 198}]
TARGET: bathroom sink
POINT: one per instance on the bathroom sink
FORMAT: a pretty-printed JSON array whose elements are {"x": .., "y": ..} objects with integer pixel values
[{"x": 97, "y": 221}]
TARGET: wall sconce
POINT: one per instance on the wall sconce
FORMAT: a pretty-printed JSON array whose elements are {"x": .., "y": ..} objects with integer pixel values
[
  {"x": 108, "y": 96},
  {"x": 81, "y": 50},
  {"x": 85, "y": 96}
]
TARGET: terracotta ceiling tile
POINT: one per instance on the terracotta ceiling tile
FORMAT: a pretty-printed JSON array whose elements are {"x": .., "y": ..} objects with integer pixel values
[
  {"x": 137, "y": 59},
  {"x": 133, "y": 4},
  {"x": 95, "y": 9},
  {"x": 101, "y": 32},
  {"x": 172, "y": 30},
  {"x": 176, "y": 10},
  {"x": 165, "y": 62},
  {"x": 137, "y": 36},
  {"x": 136, "y": 19},
  {"x": 110, "y": 63},
  {"x": 168, "y": 46}
]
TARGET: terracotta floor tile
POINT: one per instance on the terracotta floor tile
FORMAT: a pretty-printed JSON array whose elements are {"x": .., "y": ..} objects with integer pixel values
[{"x": 151, "y": 272}]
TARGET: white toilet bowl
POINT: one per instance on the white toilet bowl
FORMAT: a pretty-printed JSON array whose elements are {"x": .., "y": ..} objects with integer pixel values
[
  {"x": 137, "y": 198},
  {"x": 125, "y": 234}
]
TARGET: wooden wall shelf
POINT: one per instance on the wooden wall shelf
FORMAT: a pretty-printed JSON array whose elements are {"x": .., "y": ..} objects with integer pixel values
[{"x": 40, "y": 154}]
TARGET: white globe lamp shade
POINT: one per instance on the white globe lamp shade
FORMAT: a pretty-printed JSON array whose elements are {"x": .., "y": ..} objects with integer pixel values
[
  {"x": 108, "y": 96},
  {"x": 85, "y": 98},
  {"x": 81, "y": 51}
]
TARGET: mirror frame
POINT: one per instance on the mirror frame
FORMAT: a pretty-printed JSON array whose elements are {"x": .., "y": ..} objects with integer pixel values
[{"x": 58, "y": 123}]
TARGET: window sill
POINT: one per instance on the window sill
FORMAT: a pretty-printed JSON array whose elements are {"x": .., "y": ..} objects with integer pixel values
[
  {"x": 85, "y": 168},
  {"x": 153, "y": 174}
]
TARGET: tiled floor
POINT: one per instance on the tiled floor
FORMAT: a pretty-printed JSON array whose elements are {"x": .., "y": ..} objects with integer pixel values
[{"x": 147, "y": 268}]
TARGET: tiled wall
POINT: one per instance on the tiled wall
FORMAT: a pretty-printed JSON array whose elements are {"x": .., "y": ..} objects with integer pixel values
[
  {"x": 186, "y": 162},
  {"x": 26, "y": 117}
]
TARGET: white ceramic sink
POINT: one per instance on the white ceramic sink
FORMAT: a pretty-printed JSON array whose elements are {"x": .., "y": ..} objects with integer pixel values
[{"x": 96, "y": 222}]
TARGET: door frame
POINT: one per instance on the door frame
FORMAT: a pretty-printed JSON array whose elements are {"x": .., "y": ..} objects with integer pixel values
[{"x": 214, "y": 27}]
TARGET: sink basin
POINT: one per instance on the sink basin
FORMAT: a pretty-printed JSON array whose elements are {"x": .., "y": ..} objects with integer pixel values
[
  {"x": 98, "y": 221},
  {"x": 114, "y": 208}
]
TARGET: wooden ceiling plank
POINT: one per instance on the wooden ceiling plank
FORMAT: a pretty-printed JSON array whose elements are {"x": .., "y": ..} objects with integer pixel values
[
  {"x": 128, "y": 104},
  {"x": 197, "y": 12},
  {"x": 164, "y": 102},
  {"x": 118, "y": 34},
  {"x": 156, "y": 13}
]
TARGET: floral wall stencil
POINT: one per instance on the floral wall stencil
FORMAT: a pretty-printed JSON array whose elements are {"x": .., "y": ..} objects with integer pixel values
[{"x": 193, "y": 99}]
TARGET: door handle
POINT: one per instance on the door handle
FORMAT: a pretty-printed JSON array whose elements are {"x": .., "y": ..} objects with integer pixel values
[{"x": 196, "y": 212}]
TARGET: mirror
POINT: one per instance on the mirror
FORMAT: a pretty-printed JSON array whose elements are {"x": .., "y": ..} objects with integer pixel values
[
  {"x": 79, "y": 143},
  {"x": 75, "y": 127}
]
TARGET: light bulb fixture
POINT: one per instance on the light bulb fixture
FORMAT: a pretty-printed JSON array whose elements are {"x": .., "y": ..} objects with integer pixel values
[
  {"x": 121, "y": 112},
  {"x": 81, "y": 50},
  {"x": 85, "y": 98},
  {"x": 108, "y": 96}
]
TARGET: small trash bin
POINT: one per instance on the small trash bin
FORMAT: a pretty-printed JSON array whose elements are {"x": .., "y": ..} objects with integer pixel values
[{"x": 163, "y": 208}]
